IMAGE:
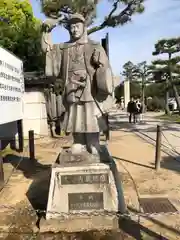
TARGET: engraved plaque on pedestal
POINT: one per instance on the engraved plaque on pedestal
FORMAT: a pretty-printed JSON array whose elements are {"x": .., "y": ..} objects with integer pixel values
[
  {"x": 86, "y": 201},
  {"x": 84, "y": 179}
]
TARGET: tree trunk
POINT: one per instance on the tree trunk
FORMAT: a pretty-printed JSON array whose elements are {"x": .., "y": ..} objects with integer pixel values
[
  {"x": 167, "y": 111},
  {"x": 176, "y": 94},
  {"x": 143, "y": 95}
]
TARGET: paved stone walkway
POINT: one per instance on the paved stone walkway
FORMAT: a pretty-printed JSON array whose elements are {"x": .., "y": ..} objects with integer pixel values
[{"x": 147, "y": 131}]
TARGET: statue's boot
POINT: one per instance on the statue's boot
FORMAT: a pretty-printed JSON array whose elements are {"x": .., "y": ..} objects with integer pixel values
[
  {"x": 79, "y": 144},
  {"x": 92, "y": 143}
]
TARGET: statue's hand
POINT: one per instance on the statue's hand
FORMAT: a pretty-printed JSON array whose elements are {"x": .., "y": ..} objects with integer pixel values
[
  {"x": 96, "y": 57},
  {"x": 48, "y": 25},
  {"x": 51, "y": 23},
  {"x": 58, "y": 86}
]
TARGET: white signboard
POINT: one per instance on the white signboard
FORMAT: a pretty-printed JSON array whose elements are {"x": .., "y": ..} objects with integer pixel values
[{"x": 11, "y": 87}]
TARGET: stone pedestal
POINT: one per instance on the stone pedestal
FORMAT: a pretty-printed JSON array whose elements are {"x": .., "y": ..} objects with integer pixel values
[
  {"x": 84, "y": 188},
  {"x": 83, "y": 195}
]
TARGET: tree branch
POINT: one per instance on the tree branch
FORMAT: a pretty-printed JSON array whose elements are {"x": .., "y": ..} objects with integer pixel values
[
  {"x": 106, "y": 21},
  {"x": 97, "y": 28},
  {"x": 103, "y": 25},
  {"x": 115, "y": 5}
]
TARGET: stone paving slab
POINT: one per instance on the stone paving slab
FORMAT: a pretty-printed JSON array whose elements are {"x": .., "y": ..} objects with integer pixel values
[{"x": 147, "y": 131}]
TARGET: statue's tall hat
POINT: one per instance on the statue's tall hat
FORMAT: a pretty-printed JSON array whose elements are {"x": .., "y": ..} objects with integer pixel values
[{"x": 76, "y": 17}]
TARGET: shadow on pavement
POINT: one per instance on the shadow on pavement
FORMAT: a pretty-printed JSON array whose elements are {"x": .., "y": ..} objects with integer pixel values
[
  {"x": 159, "y": 223},
  {"x": 37, "y": 193},
  {"x": 136, "y": 230},
  {"x": 135, "y": 163},
  {"x": 30, "y": 168},
  {"x": 170, "y": 163}
]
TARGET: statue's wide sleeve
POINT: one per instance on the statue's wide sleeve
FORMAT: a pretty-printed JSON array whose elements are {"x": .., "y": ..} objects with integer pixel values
[
  {"x": 104, "y": 76},
  {"x": 53, "y": 61},
  {"x": 53, "y": 55}
]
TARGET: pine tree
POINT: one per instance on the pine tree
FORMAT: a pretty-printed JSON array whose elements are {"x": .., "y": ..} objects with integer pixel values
[
  {"x": 129, "y": 71},
  {"x": 142, "y": 71},
  {"x": 168, "y": 69},
  {"x": 160, "y": 75}
]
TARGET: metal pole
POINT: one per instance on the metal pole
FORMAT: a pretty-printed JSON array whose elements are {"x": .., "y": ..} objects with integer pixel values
[
  {"x": 1, "y": 168},
  {"x": 31, "y": 145},
  {"x": 158, "y": 147},
  {"x": 118, "y": 182},
  {"x": 20, "y": 135},
  {"x": 108, "y": 128},
  {"x": 143, "y": 94}
]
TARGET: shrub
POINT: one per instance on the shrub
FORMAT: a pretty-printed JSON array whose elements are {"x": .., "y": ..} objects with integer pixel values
[{"x": 155, "y": 104}]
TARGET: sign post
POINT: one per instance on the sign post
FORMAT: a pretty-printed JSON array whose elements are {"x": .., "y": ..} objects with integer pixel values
[{"x": 1, "y": 169}]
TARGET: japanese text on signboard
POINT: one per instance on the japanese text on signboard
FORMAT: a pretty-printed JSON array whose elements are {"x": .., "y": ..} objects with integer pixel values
[{"x": 11, "y": 87}]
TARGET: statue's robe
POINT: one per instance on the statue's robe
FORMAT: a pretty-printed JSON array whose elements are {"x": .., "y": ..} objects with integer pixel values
[{"x": 84, "y": 106}]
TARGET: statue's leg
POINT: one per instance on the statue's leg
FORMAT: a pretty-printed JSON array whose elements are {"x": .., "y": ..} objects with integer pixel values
[
  {"x": 58, "y": 127},
  {"x": 93, "y": 143},
  {"x": 79, "y": 143},
  {"x": 53, "y": 124},
  {"x": 58, "y": 112}
]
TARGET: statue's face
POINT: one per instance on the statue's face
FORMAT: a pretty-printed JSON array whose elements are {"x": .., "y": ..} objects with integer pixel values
[{"x": 77, "y": 30}]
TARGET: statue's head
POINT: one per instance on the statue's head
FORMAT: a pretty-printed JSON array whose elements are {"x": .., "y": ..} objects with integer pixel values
[{"x": 76, "y": 26}]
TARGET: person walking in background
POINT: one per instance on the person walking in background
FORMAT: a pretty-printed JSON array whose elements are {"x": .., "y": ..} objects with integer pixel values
[
  {"x": 132, "y": 109},
  {"x": 122, "y": 104},
  {"x": 139, "y": 110}
]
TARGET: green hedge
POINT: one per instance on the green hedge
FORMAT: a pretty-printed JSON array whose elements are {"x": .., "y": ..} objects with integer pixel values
[{"x": 155, "y": 104}]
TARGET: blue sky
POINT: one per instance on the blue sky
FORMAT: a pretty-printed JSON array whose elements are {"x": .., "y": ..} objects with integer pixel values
[{"x": 133, "y": 41}]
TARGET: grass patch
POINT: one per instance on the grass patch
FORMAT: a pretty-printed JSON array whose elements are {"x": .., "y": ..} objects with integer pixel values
[
  {"x": 7, "y": 151},
  {"x": 172, "y": 118}
]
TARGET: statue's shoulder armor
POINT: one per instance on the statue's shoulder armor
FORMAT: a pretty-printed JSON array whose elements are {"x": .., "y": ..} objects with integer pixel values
[{"x": 66, "y": 45}]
